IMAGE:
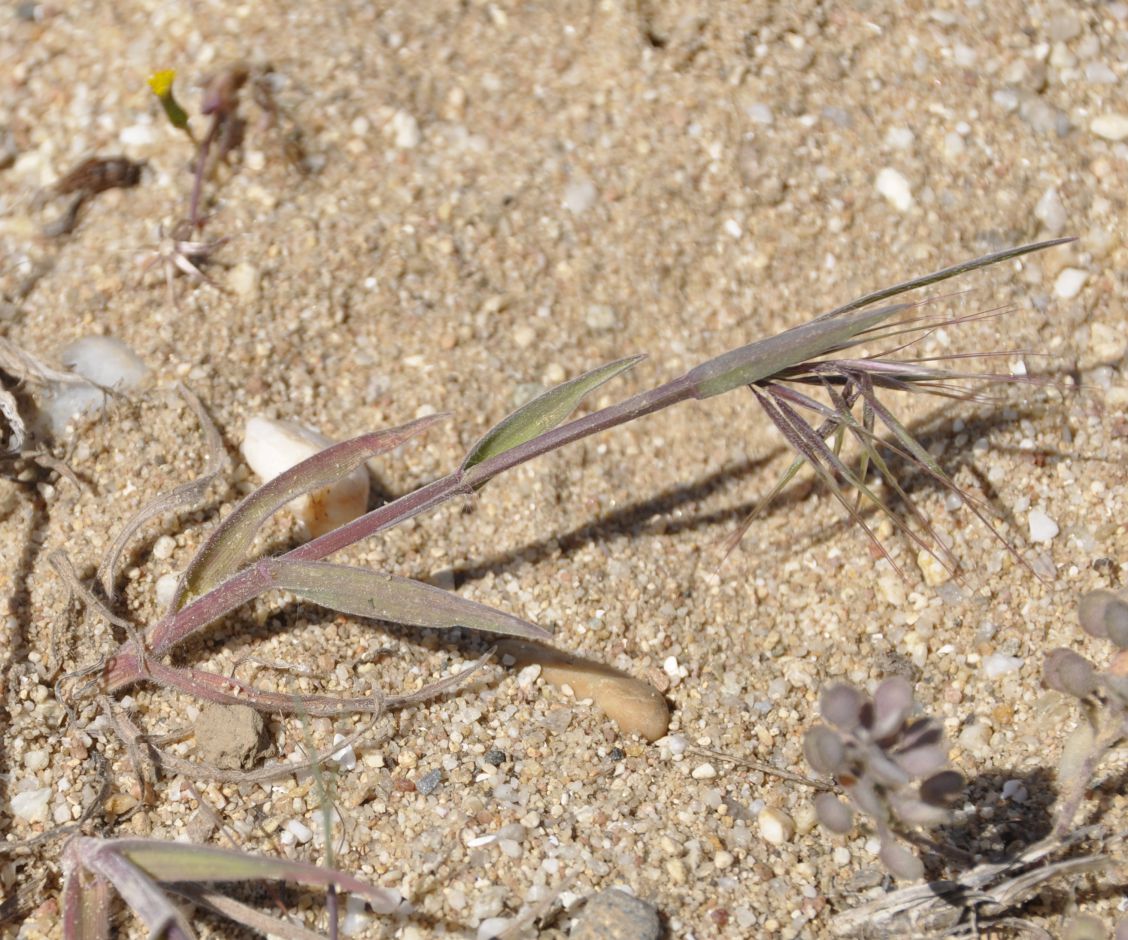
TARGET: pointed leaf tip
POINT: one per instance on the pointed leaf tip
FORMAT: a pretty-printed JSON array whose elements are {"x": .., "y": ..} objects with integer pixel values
[
  {"x": 543, "y": 413},
  {"x": 381, "y": 596}
]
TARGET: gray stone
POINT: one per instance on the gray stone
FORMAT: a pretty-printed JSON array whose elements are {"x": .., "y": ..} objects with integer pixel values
[
  {"x": 616, "y": 915},
  {"x": 229, "y": 736},
  {"x": 429, "y": 782}
]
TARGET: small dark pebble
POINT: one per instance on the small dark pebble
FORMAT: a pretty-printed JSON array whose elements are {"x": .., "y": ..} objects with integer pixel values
[
  {"x": 616, "y": 915},
  {"x": 495, "y": 758},
  {"x": 617, "y": 753},
  {"x": 428, "y": 783}
]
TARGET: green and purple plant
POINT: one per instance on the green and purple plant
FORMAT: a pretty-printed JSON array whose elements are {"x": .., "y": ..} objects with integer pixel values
[
  {"x": 786, "y": 374},
  {"x": 219, "y": 578}
]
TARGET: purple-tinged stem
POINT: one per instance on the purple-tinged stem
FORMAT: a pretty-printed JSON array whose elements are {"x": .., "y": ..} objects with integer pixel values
[{"x": 125, "y": 669}]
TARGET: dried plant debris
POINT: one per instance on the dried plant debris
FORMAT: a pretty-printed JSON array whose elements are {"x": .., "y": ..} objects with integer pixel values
[
  {"x": 92, "y": 176},
  {"x": 877, "y": 751},
  {"x": 987, "y": 896},
  {"x": 26, "y": 383},
  {"x": 993, "y": 894},
  {"x": 179, "y": 253}
]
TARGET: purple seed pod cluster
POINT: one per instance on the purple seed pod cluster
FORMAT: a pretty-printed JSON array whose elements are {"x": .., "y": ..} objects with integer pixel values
[
  {"x": 877, "y": 752},
  {"x": 1104, "y": 615}
]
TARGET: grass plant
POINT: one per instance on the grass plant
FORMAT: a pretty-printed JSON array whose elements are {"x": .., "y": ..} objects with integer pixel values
[{"x": 812, "y": 383}]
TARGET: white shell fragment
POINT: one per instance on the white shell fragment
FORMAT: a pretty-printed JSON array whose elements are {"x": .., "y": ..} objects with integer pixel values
[
  {"x": 271, "y": 447},
  {"x": 104, "y": 361}
]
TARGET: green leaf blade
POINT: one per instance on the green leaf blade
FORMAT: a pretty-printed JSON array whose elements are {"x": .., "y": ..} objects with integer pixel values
[
  {"x": 765, "y": 358},
  {"x": 179, "y": 861},
  {"x": 543, "y": 413},
  {"x": 227, "y": 547},
  {"x": 381, "y": 596}
]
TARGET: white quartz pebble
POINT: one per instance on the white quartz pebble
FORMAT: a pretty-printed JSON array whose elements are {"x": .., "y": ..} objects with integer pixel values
[
  {"x": 271, "y": 447},
  {"x": 31, "y": 805},
  {"x": 1043, "y": 528},
  {"x": 1069, "y": 282},
  {"x": 776, "y": 825},
  {"x": 299, "y": 830},
  {"x": 894, "y": 187}
]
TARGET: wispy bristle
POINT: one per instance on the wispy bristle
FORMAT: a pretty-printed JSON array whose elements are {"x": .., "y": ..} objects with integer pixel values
[{"x": 852, "y": 384}]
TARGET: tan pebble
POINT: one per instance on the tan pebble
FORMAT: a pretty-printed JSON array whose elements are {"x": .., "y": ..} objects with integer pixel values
[
  {"x": 118, "y": 804},
  {"x": 934, "y": 573},
  {"x": 805, "y": 818},
  {"x": 723, "y": 860},
  {"x": 635, "y": 706},
  {"x": 776, "y": 826},
  {"x": 675, "y": 868},
  {"x": 1119, "y": 665},
  {"x": 243, "y": 280},
  {"x": 272, "y": 447}
]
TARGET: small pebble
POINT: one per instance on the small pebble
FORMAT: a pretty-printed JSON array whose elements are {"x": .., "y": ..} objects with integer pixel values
[
  {"x": 429, "y": 782},
  {"x": 1110, "y": 126},
  {"x": 760, "y": 113},
  {"x": 899, "y": 138},
  {"x": 954, "y": 146},
  {"x": 1043, "y": 528},
  {"x": 31, "y": 805},
  {"x": 528, "y": 676},
  {"x": 1050, "y": 212},
  {"x": 1015, "y": 791},
  {"x": 704, "y": 772},
  {"x": 579, "y": 195},
  {"x": 931, "y": 569},
  {"x": 776, "y": 826},
  {"x": 601, "y": 318},
  {"x": 166, "y": 589},
  {"x": 895, "y": 188},
  {"x": 346, "y": 756},
  {"x": 137, "y": 135},
  {"x": 271, "y": 447},
  {"x": 36, "y": 760},
  {"x": 299, "y": 830},
  {"x": 495, "y": 758},
  {"x": 616, "y": 915},
  {"x": 243, "y": 279},
  {"x": 999, "y": 664},
  {"x": 617, "y": 754},
  {"x": 492, "y": 927},
  {"x": 1069, "y": 282},
  {"x": 163, "y": 547},
  {"x": 405, "y": 130}
]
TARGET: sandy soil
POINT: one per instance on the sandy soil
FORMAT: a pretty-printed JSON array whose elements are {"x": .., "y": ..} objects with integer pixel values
[{"x": 492, "y": 197}]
